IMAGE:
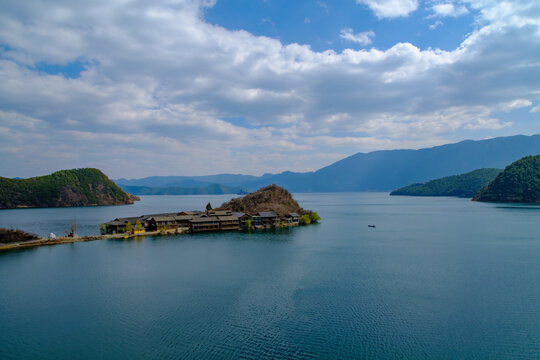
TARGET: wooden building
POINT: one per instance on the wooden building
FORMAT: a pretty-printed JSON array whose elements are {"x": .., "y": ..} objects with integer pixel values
[
  {"x": 269, "y": 219},
  {"x": 204, "y": 223},
  {"x": 229, "y": 222}
]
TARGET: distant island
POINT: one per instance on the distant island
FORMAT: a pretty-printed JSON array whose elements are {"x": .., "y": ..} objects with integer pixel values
[
  {"x": 266, "y": 208},
  {"x": 519, "y": 183},
  {"x": 464, "y": 185},
  {"x": 211, "y": 189},
  {"x": 76, "y": 187}
]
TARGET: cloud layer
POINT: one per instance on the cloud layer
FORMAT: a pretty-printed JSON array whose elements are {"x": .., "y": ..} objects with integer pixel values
[{"x": 164, "y": 92}]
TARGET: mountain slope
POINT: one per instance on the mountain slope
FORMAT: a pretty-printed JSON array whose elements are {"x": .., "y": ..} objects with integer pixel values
[
  {"x": 464, "y": 185},
  {"x": 376, "y": 171},
  {"x": 519, "y": 182},
  {"x": 77, "y": 187},
  {"x": 387, "y": 170}
]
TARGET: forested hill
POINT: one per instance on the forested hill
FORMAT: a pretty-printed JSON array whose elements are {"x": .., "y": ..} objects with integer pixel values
[
  {"x": 77, "y": 187},
  {"x": 464, "y": 185},
  {"x": 519, "y": 182}
]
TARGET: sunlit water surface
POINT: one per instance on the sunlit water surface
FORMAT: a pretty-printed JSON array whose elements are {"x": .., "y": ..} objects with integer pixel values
[{"x": 437, "y": 278}]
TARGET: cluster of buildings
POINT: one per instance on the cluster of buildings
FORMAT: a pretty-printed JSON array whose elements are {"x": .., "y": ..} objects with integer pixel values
[{"x": 197, "y": 221}]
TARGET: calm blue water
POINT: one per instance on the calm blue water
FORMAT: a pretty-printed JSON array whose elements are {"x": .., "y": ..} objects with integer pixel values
[{"x": 437, "y": 278}]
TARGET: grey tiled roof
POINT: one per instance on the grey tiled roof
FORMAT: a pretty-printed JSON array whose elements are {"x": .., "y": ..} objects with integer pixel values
[{"x": 267, "y": 214}]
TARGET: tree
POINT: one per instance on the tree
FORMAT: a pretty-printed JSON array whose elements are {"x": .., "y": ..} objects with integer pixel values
[
  {"x": 248, "y": 224},
  {"x": 208, "y": 207},
  {"x": 138, "y": 225},
  {"x": 314, "y": 217},
  {"x": 102, "y": 228},
  {"x": 305, "y": 219},
  {"x": 129, "y": 227},
  {"x": 72, "y": 228}
]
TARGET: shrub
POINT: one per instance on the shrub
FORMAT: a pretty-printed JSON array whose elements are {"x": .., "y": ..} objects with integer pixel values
[
  {"x": 305, "y": 219},
  {"x": 314, "y": 217}
]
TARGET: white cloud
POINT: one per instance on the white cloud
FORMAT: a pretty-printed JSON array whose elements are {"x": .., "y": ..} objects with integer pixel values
[
  {"x": 159, "y": 99},
  {"x": 363, "y": 38},
  {"x": 514, "y": 104},
  {"x": 535, "y": 109},
  {"x": 435, "y": 25},
  {"x": 390, "y": 8},
  {"x": 448, "y": 9}
]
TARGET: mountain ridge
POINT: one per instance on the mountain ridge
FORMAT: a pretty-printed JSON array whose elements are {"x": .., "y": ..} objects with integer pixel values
[{"x": 385, "y": 170}]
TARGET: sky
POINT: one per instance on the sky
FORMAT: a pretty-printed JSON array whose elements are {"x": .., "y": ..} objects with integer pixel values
[{"x": 197, "y": 87}]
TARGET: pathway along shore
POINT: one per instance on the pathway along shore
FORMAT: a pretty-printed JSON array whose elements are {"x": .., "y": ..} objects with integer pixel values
[{"x": 68, "y": 240}]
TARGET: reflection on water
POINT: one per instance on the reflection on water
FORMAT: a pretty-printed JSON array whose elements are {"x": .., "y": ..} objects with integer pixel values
[{"x": 436, "y": 278}]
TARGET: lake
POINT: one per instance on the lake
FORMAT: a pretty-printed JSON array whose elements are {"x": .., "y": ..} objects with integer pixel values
[{"x": 441, "y": 278}]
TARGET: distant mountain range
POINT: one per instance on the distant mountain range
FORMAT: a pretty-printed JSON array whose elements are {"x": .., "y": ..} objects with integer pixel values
[
  {"x": 375, "y": 171},
  {"x": 179, "y": 190}
]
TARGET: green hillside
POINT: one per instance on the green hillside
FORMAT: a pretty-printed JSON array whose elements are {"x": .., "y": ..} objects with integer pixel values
[
  {"x": 464, "y": 185},
  {"x": 77, "y": 187},
  {"x": 519, "y": 182}
]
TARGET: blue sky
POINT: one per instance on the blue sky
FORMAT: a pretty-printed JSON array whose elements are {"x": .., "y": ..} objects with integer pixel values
[
  {"x": 196, "y": 87},
  {"x": 319, "y": 23}
]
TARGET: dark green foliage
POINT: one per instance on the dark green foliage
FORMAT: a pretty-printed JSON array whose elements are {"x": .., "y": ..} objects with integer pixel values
[
  {"x": 465, "y": 185},
  {"x": 78, "y": 187},
  {"x": 519, "y": 182},
  {"x": 208, "y": 207}
]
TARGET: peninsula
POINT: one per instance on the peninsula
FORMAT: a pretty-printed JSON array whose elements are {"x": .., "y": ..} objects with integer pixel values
[
  {"x": 77, "y": 187},
  {"x": 519, "y": 183},
  {"x": 269, "y": 207},
  {"x": 464, "y": 185}
]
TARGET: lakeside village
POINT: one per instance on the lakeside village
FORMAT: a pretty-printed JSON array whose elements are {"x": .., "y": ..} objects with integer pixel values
[{"x": 198, "y": 221}]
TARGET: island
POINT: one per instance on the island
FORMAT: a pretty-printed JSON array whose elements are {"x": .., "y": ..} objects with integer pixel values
[
  {"x": 518, "y": 183},
  {"x": 76, "y": 187},
  {"x": 464, "y": 185},
  {"x": 267, "y": 208}
]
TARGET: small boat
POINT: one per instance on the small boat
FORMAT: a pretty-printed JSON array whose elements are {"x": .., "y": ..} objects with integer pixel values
[{"x": 371, "y": 225}]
